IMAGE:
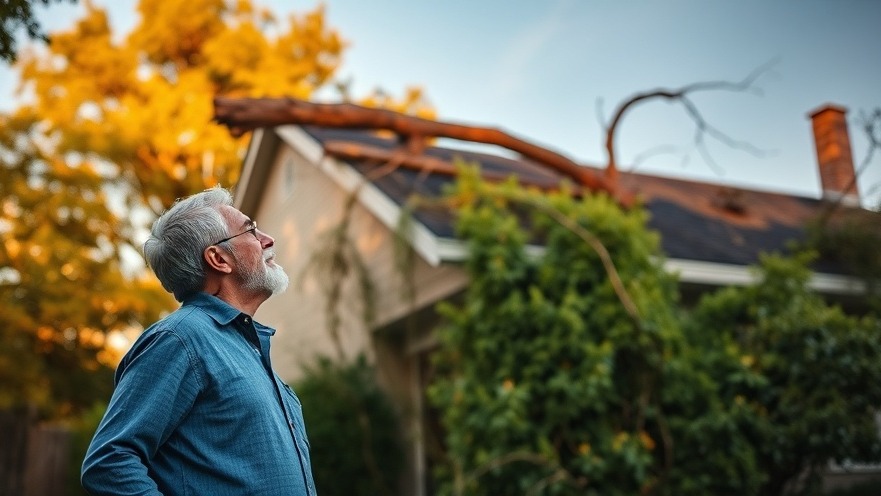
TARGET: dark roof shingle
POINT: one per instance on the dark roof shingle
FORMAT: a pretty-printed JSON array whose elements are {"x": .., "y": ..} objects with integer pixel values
[{"x": 697, "y": 221}]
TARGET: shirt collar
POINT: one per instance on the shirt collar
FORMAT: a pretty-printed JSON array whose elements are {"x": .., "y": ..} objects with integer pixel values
[{"x": 222, "y": 312}]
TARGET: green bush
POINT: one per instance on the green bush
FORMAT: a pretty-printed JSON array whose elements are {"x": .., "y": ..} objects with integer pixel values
[
  {"x": 807, "y": 375},
  {"x": 550, "y": 375},
  {"x": 353, "y": 430},
  {"x": 560, "y": 375}
]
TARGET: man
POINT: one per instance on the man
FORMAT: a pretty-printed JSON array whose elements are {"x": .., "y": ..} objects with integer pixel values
[{"x": 197, "y": 408}]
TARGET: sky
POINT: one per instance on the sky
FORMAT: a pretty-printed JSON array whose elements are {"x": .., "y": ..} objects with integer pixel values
[{"x": 553, "y": 71}]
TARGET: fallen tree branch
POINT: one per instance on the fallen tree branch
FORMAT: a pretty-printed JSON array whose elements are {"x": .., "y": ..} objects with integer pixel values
[{"x": 241, "y": 115}]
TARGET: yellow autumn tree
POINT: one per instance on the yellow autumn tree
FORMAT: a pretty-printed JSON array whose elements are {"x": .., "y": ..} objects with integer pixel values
[
  {"x": 116, "y": 127},
  {"x": 67, "y": 306},
  {"x": 116, "y": 124},
  {"x": 143, "y": 102}
]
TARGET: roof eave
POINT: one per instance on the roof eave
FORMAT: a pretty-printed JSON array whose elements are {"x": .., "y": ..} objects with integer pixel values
[{"x": 695, "y": 272}]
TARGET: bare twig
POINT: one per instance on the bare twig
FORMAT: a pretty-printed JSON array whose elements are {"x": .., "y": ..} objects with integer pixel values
[
  {"x": 657, "y": 150},
  {"x": 870, "y": 122},
  {"x": 681, "y": 95}
]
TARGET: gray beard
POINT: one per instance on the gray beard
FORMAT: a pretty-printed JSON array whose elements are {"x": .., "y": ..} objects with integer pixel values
[
  {"x": 275, "y": 279},
  {"x": 266, "y": 278}
]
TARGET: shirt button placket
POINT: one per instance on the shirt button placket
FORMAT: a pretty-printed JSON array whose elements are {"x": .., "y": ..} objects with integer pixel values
[{"x": 246, "y": 321}]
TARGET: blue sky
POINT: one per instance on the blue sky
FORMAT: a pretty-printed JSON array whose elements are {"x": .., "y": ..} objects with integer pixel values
[{"x": 539, "y": 68}]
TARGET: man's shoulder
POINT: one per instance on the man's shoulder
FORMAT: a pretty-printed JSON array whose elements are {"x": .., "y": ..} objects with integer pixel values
[
  {"x": 181, "y": 322},
  {"x": 187, "y": 325},
  {"x": 182, "y": 326},
  {"x": 172, "y": 339}
]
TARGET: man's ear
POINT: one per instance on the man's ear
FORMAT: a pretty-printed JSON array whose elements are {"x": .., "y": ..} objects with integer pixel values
[{"x": 218, "y": 259}]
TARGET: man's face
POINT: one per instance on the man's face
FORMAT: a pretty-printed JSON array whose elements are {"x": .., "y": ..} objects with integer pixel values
[{"x": 254, "y": 256}]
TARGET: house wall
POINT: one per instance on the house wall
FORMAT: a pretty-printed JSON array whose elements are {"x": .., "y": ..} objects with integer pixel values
[{"x": 300, "y": 204}]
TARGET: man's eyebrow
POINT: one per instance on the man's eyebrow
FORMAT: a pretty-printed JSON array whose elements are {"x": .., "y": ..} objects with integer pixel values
[{"x": 247, "y": 223}]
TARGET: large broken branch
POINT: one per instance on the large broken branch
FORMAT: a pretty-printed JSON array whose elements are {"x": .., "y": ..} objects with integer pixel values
[{"x": 245, "y": 114}]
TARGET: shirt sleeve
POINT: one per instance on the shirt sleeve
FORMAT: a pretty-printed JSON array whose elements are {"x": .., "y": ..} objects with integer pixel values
[{"x": 156, "y": 387}]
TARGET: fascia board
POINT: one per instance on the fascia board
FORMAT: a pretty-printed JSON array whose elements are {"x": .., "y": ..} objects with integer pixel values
[
  {"x": 717, "y": 274},
  {"x": 248, "y": 167},
  {"x": 695, "y": 272}
]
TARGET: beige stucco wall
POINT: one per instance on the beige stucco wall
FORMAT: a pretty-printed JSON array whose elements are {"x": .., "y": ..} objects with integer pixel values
[
  {"x": 298, "y": 206},
  {"x": 300, "y": 203}
]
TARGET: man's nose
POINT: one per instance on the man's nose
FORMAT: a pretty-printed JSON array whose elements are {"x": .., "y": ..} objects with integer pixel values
[{"x": 266, "y": 240}]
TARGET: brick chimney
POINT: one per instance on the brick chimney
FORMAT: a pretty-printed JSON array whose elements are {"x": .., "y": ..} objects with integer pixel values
[{"x": 837, "y": 173}]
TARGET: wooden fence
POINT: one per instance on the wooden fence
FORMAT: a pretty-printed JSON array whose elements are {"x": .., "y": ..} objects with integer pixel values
[{"x": 34, "y": 458}]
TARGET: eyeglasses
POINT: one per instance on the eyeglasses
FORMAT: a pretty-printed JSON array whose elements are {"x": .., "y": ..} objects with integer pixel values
[{"x": 252, "y": 228}]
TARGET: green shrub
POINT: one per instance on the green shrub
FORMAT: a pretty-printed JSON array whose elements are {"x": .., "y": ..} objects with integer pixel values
[
  {"x": 353, "y": 430},
  {"x": 558, "y": 375}
]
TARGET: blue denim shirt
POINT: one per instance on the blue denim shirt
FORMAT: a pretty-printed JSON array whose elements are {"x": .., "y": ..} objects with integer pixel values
[{"x": 197, "y": 409}]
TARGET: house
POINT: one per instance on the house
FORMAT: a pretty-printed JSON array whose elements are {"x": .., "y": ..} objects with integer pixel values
[{"x": 297, "y": 180}]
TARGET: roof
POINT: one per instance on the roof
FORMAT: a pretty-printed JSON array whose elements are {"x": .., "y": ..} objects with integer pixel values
[
  {"x": 697, "y": 221},
  {"x": 710, "y": 233}
]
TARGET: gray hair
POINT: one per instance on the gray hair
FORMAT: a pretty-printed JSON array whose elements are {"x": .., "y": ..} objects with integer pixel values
[{"x": 179, "y": 237}]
